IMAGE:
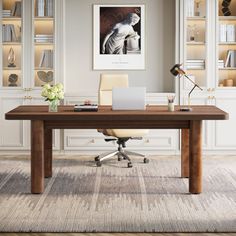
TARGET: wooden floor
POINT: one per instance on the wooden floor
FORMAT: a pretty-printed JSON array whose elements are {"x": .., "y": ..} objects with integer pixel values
[{"x": 117, "y": 234}]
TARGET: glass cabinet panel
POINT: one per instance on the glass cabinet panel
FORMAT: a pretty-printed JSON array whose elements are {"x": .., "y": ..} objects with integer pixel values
[
  {"x": 195, "y": 48},
  {"x": 43, "y": 42},
  {"x": 12, "y": 47},
  {"x": 227, "y": 43}
]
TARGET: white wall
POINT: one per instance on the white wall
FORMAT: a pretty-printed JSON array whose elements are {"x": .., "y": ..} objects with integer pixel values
[{"x": 160, "y": 46}]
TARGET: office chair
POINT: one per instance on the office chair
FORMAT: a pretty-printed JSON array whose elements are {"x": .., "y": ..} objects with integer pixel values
[{"x": 121, "y": 136}]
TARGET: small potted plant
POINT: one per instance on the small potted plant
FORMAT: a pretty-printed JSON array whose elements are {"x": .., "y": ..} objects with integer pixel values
[{"x": 53, "y": 95}]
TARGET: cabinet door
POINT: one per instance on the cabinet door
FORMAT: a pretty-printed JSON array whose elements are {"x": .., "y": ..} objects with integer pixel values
[
  {"x": 14, "y": 134},
  {"x": 226, "y": 129},
  {"x": 226, "y": 45},
  {"x": 43, "y": 46},
  {"x": 11, "y": 44},
  {"x": 194, "y": 45}
]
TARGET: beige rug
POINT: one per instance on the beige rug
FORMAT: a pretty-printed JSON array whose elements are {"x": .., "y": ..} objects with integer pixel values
[{"x": 147, "y": 198}]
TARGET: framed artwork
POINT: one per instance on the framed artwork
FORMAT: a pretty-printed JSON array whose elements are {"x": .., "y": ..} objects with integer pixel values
[{"x": 119, "y": 37}]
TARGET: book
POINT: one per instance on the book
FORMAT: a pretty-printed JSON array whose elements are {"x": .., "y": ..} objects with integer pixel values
[
  {"x": 230, "y": 33},
  {"x": 222, "y": 33},
  {"x": 16, "y": 9},
  {"x": 9, "y": 33},
  {"x": 83, "y": 107},
  {"x": 40, "y": 5},
  {"x": 190, "y": 8},
  {"x": 49, "y": 8},
  {"x": 227, "y": 62},
  {"x": 46, "y": 59}
]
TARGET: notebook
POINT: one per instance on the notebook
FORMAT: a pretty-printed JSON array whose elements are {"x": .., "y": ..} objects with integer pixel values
[{"x": 132, "y": 98}]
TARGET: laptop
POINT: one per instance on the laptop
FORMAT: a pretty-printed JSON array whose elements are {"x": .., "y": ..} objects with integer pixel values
[{"x": 132, "y": 98}]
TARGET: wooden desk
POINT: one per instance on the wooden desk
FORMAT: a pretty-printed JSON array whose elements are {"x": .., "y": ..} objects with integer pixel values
[{"x": 154, "y": 117}]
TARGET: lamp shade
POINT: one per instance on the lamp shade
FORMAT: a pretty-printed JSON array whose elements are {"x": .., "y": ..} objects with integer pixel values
[{"x": 176, "y": 70}]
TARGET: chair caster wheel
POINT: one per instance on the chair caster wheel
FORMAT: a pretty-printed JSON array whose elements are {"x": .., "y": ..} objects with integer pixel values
[
  {"x": 130, "y": 165},
  {"x": 99, "y": 163},
  {"x": 146, "y": 160},
  {"x": 96, "y": 158}
]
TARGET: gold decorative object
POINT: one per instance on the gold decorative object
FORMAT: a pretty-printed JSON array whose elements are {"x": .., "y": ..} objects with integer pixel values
[{"x": 11, "y": 58}]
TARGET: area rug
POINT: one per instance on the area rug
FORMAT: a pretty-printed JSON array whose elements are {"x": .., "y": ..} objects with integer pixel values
[{"x": 81, "y": 197}]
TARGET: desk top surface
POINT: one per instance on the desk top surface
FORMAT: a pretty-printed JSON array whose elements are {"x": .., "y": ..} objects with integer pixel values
[{"x": 152, "y": 112}]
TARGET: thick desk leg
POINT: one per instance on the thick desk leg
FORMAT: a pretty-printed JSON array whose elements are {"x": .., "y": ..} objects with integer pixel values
[
  {"x": 195, "y": 157},
  {"x": 185, "y": 153},
  {"x": 47, "y": 153},
  {"x": 37, "y": 156}
]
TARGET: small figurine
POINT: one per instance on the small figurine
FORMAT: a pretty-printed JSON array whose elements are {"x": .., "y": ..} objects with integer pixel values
[
  {"x": 13, "y": 79},
  {"x": 11, "y": 58}
]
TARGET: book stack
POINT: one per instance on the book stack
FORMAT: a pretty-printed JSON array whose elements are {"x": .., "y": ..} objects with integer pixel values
[
  {"x": 44, "y": 8},
  {"x": 49, "y": 8},
  {"x": 46, "y": 59},
  {"x": 83, "y": 107},
  {"x": 16, "y": 9},
  {"x": 43, "y": 38},
  {"x": 231, "y": 59},
  {"x": 195, "y": 64},
  {"x": 39, "y": 5},
  {"x": 6, "y": 13},
  {"x": 190, "y": 8},
  {"x": 221, "y": 64},
  {"x": 227, "y": 33},
  {"x": 9, "y": 33}
]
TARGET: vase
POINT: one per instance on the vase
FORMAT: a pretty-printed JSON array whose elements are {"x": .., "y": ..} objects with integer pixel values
[{"x": 53, "y": 106}]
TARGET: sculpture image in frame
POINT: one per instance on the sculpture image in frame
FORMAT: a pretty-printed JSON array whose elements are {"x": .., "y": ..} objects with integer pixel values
[{"x": 119, "y": 37}]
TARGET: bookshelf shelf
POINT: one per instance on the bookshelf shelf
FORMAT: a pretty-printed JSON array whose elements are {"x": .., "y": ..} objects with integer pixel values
[
  {"x": 227, "y": 68},
  {"x": 227, "y": 43},
  {"x": 42, "y": 68},
  {"x": 227, "y": 18},
  {"x": 195, "y": 69},
  {"x": 12, "y": 68},
  {"x": 43, "y": 18},
  {"x": 40, "y": 44},
  {"x": 11, "y": 19},
  {"x": 11, "y": 43},
  {"x": 196, "y": 18},
  {"x": 196, "y": 43}
]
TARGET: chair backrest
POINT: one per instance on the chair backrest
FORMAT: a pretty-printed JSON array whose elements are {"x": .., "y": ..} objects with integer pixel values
[{"x": 107, "y": 82}]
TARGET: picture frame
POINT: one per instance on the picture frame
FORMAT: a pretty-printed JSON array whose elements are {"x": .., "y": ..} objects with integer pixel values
[{"x": 119, "y": 37}]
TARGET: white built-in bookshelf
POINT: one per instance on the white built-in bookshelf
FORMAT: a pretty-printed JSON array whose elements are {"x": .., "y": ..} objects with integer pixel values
[
  {"x": 12, "y": 46},
  {"x": 195, "y": 38},
  {"x": 227, "y": 44},
  {"x": 44, "y": 38}
]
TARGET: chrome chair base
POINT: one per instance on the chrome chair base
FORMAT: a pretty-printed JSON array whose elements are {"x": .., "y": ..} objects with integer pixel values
[{"x": 121, "y": 154}]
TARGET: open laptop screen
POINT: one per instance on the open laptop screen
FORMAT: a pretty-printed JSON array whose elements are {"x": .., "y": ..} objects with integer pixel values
[{"x": 132, "y": 98}]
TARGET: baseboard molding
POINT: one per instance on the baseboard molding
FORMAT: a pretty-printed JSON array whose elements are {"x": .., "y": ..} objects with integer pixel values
[{"x": 97, "y": 152}]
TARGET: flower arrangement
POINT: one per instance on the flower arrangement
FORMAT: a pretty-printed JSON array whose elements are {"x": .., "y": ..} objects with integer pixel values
[{"x": 53, "y": 94}]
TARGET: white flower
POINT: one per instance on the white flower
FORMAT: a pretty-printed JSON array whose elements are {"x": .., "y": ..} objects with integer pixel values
[
  {"x": 53, "y": 92},
  {"x": 59, "y": 86},
  {"x": 61, "y": 95},
  {"x": 51, "y": 95},
  {"x": 47, "y": 86}
]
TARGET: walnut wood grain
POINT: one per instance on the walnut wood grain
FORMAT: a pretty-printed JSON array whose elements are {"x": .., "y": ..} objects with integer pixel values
[
  {"x": 106, "y": 113},
  {"x": 185, "y": 153},
  {"x": 152, "y": 118},
  {"x": 195, "y": 157},
  {"x": 37, "y": 156},
  {"x": 48, "y": 153},
  {"x": 116, "y": 124}
]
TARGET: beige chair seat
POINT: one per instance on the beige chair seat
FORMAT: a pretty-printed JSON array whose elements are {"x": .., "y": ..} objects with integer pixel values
[{"x": 126, "y": 133}]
